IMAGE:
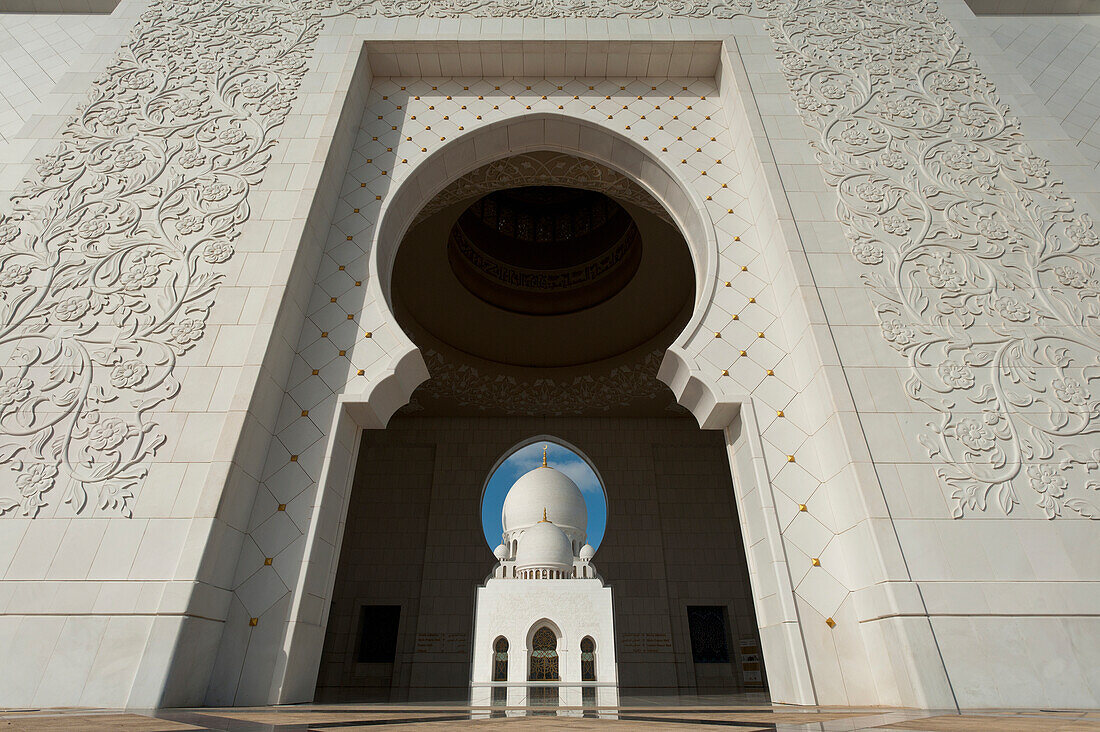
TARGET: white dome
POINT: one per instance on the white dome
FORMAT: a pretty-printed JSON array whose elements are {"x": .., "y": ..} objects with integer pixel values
[
  {"x": 549, "y": 490},
  {"x": 544, "y": 546},
  {"x": 587, "y": 552},
  {"x": 500, "y": 552}
]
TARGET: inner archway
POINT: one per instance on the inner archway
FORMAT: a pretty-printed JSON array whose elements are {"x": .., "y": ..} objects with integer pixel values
[
  {"x": 594, "y": 157},
  {"x": 526, "y": 455}
]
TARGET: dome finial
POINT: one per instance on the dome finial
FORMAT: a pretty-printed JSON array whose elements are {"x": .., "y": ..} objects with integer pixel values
[
  {"x": 544, "y": 519},
  {"x": 544, "y": 459}
]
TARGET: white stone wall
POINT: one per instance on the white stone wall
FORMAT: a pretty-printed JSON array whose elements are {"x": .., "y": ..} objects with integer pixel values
[
  {"x": 140, "y": 575},
  {"x": 969, "y": 591},
  {"x": 1059, "y": 59},
  {"x": 574, "y": 609},
  {"x": 903, "y": 517},
  {"x": 35, "y": 51}
]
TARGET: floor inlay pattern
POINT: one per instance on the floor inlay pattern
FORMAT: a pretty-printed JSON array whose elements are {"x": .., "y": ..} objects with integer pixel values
[{"x": 646, "y": 713}]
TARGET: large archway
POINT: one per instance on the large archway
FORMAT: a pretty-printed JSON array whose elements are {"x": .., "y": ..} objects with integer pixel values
[
  {"x": 384, "y": 393},
  {"x": 496, "y": 352},
  {"x": 492, "y": 142}
]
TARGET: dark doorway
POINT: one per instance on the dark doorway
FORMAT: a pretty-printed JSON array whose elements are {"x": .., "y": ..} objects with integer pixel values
[
  {"x": 378, "y": 626},
  {"x": 710, "y": 634}
]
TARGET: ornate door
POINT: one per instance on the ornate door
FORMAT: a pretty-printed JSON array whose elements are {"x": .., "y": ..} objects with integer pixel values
[{"x": 544, "y": 656}]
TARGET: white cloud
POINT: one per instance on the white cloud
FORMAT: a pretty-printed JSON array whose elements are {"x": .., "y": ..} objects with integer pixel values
[
  {"x": 581, "y": 474},
  {"x": 558, "y": 457}
]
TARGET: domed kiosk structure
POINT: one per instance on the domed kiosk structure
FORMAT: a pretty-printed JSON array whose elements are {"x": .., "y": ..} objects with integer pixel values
[{"x": 544, "y": 621}]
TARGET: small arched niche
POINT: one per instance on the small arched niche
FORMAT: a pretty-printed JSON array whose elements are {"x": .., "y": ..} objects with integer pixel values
[
  {"x": 500, "y": 659},
  {"x": 527, "y": 455},
  {"x": 588, "y": 658}
]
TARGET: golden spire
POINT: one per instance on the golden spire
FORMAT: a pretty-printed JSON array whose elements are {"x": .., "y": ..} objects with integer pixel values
[
  {"x": 544, "y": 519},
  {"x": 544, "y": 459}
]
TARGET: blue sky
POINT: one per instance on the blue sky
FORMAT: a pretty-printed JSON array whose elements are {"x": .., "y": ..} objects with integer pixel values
[{"x": 529, "y": 458}]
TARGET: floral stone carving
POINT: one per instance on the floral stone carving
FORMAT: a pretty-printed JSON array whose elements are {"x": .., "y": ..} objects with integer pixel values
[
  {"x": 543, "y": 8},
  {"x": 984, "y": 276},
  {"x": 108, "y": 262}
]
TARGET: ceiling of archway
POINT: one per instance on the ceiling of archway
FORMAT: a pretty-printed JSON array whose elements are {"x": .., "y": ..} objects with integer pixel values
[
  {"x": 493, "y": 354},
  {"x": 429, "y": 298},
  {"x": 544, "y": 250}
]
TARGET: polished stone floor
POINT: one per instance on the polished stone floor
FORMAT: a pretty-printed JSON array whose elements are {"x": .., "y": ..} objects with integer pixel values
[{"x": 642, "y": 713}]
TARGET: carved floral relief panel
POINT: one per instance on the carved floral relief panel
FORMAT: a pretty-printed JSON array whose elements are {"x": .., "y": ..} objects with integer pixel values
[
  {"x": 983, "y": 272},
  {"x": 109, "y": 259}
]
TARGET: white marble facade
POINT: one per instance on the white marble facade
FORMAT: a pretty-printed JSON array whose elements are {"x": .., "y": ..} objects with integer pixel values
[
  {"x": 196, "y": 325},
  {"x": 572, "y": 609}
]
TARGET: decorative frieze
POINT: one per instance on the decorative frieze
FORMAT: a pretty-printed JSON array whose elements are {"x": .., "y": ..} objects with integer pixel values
[
  {"x": 542, "y": 168},
  {"x": 542, "y": 8},
  {"x": 468, "y": 387}
]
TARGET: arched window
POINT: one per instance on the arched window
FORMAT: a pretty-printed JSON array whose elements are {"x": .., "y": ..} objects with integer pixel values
[
  {"x": 500, "y": 659},
  {"x": 544, "y": 656},
  {"x": 588, "y": 659}
]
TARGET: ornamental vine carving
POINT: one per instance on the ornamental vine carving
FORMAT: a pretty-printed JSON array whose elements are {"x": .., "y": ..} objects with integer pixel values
[
  {"x": 542, "y": 8},
  {"x": 984, "y": 275},
  {"x": 109, "y": 259}
]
